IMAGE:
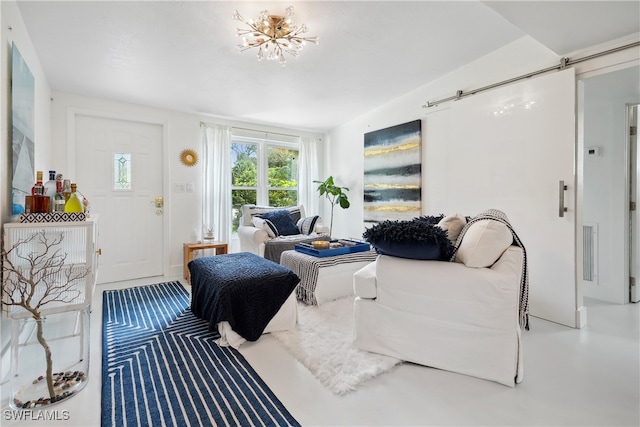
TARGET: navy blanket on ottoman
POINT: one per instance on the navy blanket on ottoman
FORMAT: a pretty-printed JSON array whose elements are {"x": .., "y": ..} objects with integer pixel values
[{"x": 241, "y": 288}]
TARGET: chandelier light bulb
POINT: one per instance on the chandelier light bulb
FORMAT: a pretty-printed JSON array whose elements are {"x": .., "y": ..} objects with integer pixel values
[{"x": 273, "y": 35}]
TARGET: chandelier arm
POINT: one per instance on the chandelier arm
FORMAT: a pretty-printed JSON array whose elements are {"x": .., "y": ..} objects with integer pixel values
[
  {"x": 293, "y": 53},
  {"x": 241, "y": 32},
  {"x": 242, "y": 48}
]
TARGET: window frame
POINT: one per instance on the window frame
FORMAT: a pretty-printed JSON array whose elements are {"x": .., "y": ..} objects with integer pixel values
[{"x": 262, "y": 180}]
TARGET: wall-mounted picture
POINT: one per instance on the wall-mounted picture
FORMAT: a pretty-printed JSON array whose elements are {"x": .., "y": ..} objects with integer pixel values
[
  {"x": 392, "y": 173},
  {"x": 22, "y": 122}
]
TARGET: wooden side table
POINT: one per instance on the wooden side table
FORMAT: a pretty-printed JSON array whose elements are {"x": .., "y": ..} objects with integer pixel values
[{"x": 188, "y": 248}]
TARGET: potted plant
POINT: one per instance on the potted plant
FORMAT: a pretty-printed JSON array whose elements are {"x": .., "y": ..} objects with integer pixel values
[{"x": 335, "y": 195}]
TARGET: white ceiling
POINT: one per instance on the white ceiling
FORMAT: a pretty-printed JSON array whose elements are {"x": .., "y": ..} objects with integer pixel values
[{"x": 181, "y": 55}]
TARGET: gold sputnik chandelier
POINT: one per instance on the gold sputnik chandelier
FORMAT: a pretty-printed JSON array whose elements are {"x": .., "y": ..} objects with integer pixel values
[{"x": 273, "y": 35}]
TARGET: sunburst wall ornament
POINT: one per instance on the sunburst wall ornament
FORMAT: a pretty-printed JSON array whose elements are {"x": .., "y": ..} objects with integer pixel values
[
  {"x": 188, "y": 157},
  {"x": 273, "y": 35}
]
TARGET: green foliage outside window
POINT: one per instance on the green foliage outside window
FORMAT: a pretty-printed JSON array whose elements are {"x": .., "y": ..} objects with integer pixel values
[
  {"x": 245, "y": 168},
  {"x": 283, "y": 198}
]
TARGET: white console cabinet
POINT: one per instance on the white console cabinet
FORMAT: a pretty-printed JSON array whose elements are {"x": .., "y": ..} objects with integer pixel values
[
  {"x": 76, "y": 241},
  {"x": 50, "y": 267}
]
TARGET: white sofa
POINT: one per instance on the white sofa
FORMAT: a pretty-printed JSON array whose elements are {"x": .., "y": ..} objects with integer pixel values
[
  {"x": 446, "y": 315},
  {"x": 253, "y": 238}
]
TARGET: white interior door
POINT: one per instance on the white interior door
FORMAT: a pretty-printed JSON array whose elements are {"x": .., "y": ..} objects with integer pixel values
[
  {"x": 511, "y": 147},
  {"x": 131, "y": 225},
  {"x": 634, "y": 195}
]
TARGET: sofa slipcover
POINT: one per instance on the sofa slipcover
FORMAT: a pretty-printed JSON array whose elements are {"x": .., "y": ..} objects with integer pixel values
[{"x": 443, "y": 314}]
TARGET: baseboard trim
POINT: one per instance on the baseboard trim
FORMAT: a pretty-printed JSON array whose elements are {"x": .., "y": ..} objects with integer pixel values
[{"x": 581, "y": 317}]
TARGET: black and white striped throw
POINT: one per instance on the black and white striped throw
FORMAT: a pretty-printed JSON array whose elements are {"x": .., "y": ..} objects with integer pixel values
[
  {"x": 307, "y": 267},
  {"x": 497, "y": 215}
]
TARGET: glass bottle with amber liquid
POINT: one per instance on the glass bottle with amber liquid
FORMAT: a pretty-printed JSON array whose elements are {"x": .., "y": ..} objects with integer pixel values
[
  {"x": 37, "y": 202},
  {"x": 74, "y": 204}
]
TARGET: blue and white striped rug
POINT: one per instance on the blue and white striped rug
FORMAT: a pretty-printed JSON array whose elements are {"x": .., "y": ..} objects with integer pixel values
[{"x": 161, "y": 366}]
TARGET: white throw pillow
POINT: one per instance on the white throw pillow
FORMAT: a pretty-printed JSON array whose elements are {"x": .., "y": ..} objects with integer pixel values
[
  {"x": 453, "y": 224},
  {"x": 249, "y": 211},
  {"x": 307, "y": 225},
  {"x": 483, "y": 243},
  {"x": 262, "y": 224}
]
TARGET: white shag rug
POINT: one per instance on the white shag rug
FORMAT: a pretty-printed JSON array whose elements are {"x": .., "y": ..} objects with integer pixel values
[{"x": 323, "y": 343}]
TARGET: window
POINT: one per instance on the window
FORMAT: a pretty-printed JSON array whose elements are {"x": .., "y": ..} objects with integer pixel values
[{"x": 263, "y": 172}]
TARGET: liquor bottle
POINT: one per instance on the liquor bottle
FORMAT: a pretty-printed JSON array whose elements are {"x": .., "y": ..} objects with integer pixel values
[
  {"x": 39, "y": 202},
  {"x": 38, "y": 188},
  {"x": 58, "y": 201},
  {"x": 50, "y": 188},
  {"x": 73, "y": 204},
  {"x": 66, "y": 189}
]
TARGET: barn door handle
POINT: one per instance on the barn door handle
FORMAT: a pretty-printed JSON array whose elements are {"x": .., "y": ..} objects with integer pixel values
[{"x": 562, "y": 187}]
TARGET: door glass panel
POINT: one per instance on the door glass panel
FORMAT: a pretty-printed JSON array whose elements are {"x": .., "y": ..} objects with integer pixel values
[{"x": 122, "y": 171}]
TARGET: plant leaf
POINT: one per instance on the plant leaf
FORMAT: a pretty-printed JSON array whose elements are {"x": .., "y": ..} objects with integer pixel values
[{"x": 344, "y": 201}]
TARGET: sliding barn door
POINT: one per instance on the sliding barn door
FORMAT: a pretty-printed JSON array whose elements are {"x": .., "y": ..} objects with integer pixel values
[{"x": 509, "y": 149}]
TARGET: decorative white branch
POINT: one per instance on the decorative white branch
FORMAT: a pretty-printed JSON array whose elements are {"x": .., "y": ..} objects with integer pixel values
[{"x": 38, "y": 278}]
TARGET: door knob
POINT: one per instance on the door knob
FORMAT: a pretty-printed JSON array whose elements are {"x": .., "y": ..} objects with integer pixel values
[{"x": 159, "y": 201}]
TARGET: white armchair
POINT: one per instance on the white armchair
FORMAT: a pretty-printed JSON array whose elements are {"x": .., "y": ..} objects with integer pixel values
[
  {"x": 252, "y": 239},
  {"x": 253, "y": 233},
  {"x": 462, "y": 316}
]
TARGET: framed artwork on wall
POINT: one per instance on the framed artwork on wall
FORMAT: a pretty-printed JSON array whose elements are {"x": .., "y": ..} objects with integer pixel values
[
  {"x": 393, "y": 173},
  {"x": 22, "y": 131}
]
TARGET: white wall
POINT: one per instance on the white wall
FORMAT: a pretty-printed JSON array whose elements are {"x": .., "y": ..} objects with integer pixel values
[
  {"x": 345, "y": 152},
  {"x": 184, "y": 210},
  {"x": 605, "y": 99},
  {"x": 13, "y": 30}
]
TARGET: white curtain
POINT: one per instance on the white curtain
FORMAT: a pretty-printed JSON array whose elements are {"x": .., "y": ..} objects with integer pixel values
[
  {"x": 309, "y": 171},
  {"x": 216, "y": 201}
]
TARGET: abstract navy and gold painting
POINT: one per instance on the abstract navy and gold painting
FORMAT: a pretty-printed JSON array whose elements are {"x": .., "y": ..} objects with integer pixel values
[{"x": 392, "y": 173}]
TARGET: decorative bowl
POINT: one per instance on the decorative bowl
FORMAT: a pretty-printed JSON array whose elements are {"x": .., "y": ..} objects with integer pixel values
[{"x": 320, "y": 244}]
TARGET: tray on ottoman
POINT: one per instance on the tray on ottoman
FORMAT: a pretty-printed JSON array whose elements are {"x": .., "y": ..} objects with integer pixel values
[{"x": 347, "y": 246}]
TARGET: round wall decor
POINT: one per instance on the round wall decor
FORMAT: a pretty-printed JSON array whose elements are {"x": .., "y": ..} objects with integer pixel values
[{"x": 188, "y": 157}]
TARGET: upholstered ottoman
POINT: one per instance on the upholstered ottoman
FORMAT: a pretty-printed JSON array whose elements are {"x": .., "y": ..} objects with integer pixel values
[
  {"x": 325, "y": 279},
  {"x": 242, "y": 296}
]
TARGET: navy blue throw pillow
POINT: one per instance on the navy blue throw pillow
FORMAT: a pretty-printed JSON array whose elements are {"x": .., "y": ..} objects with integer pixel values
[
  {"x": 282, "y": 221},
  {"x": 415, "y": 249},
  {"x": 419, "y": 238}
]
